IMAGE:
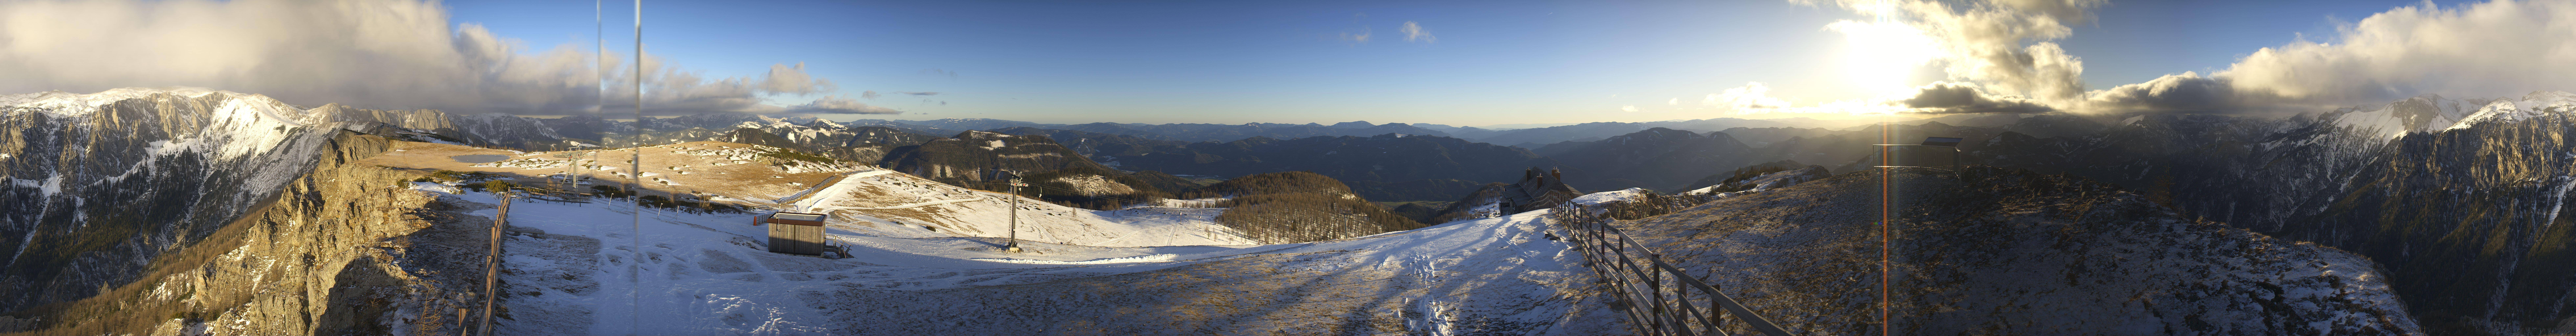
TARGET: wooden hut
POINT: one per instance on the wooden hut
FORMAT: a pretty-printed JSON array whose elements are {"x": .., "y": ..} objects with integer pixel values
[{"x": 796, "y": 233}]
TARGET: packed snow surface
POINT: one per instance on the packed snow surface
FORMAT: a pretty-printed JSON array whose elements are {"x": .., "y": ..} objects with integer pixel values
[
  {"x": 597, "y": 270},
  {"x": 892, "y": 204}
]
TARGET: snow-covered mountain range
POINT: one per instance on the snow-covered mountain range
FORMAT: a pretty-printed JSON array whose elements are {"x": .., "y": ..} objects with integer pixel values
[
  {"x": 99, "y": 183},
  {"x": 2458, "y": 198}
]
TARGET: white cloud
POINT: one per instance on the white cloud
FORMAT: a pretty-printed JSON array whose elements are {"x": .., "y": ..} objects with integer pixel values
[
  {"x": 1362, "y": 30},
  {"x": 2002, "y": 44},
  {"x": 835, "y": 104},
  {"x": 2492, "y": 49},
  {"x": 2488, "y": 49},
  {"x": 1753, "y": 97},
  {"x": 1413, "y": 33},
  {"x": 1629, "y": 108},
  {"x": 388, "y": 54},
  {"x": 793, "y": 80}
]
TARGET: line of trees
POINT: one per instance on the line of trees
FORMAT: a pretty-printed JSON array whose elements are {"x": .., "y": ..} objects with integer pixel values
[{"x": 1298, "y": 206}]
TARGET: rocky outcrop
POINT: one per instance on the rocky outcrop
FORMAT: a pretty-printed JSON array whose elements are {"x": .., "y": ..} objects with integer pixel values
[
  {"x": 1774, "y": 174},
  {"x": 345, "y": 250},
  {"x": 94, "y": 187},
  {"x": 1485, "y": 202},
  {"x": 1999, "y": 251},
  {"x": 2466, "y": 216},
  {"x": 2472, "y": 219}
]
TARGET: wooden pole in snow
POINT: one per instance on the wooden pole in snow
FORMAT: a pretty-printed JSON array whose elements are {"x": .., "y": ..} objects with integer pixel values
[{"x": 492, "y": 259}]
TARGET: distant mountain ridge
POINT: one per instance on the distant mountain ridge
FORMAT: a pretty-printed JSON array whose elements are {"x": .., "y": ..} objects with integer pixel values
[
  {"x": 1535, "y": 137},
  {"x": 1656, "y": 159},
  {"x": 975, "y": 155}
]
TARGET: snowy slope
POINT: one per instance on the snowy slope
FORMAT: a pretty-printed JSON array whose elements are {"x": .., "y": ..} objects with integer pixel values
[
  {"x": 895, "y": 204},
  {"x": 2536, "y": 104},
  {"x": 701, "y": 274},
  {"x": 867, "y": 200},
  {"x": 2419, "y": 114},
  {"x": 1768, "y": 181}
]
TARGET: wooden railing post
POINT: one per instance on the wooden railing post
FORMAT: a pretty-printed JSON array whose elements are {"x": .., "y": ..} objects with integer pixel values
[{"x": 1636, "y": 278}]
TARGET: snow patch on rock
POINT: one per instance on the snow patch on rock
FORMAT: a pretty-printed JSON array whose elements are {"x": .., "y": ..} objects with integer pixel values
[{"x": 1624, "y": 195}]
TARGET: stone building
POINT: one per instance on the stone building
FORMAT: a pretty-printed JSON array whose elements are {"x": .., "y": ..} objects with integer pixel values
[{"x": 1537, "y": 191}]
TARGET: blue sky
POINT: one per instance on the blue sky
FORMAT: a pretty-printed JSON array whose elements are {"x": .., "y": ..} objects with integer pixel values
[{"x": 1235, "y": 62}]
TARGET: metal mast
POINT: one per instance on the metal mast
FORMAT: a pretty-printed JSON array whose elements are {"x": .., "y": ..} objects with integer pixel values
[
  {"x": 1014, "y": 245},
  {"x": 635, "y": 233}
]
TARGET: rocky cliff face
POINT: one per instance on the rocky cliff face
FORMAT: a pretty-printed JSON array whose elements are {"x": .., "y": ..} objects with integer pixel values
[
  {"x": 98, "y": 185},
  {"x": 1998, "y": 251},
  {"x": 2472, "y": 219},
  {"x": 2464, "y": 213},
  {"x": 344, "y": 250}
]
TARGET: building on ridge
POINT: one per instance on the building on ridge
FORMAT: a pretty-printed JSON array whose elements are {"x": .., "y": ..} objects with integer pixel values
[{"x": 1537, "y": 191}]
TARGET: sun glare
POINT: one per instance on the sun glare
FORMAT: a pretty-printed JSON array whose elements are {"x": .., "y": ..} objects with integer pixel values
[{"x": 1882, "y": 56}]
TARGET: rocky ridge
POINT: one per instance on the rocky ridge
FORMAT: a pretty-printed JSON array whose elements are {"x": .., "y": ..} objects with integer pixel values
[
  {"x": 344, "y": 250},
  {"x": 1999, "y": 251},
  {"x": 2464, "y": 213}
]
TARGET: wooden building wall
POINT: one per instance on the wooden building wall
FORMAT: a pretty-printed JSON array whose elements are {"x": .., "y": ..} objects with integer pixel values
[{"x": 796, "y": 239}]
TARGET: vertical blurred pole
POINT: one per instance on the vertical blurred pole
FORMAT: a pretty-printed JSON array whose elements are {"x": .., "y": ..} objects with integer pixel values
[
  {"x": 1886, "y": 202},
  {"x": 1014, "y": 245},
  {"x": 635, "y": 166}
]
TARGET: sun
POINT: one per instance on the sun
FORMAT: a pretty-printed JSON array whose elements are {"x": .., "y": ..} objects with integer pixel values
[{"x": 1880, "y": 57}]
